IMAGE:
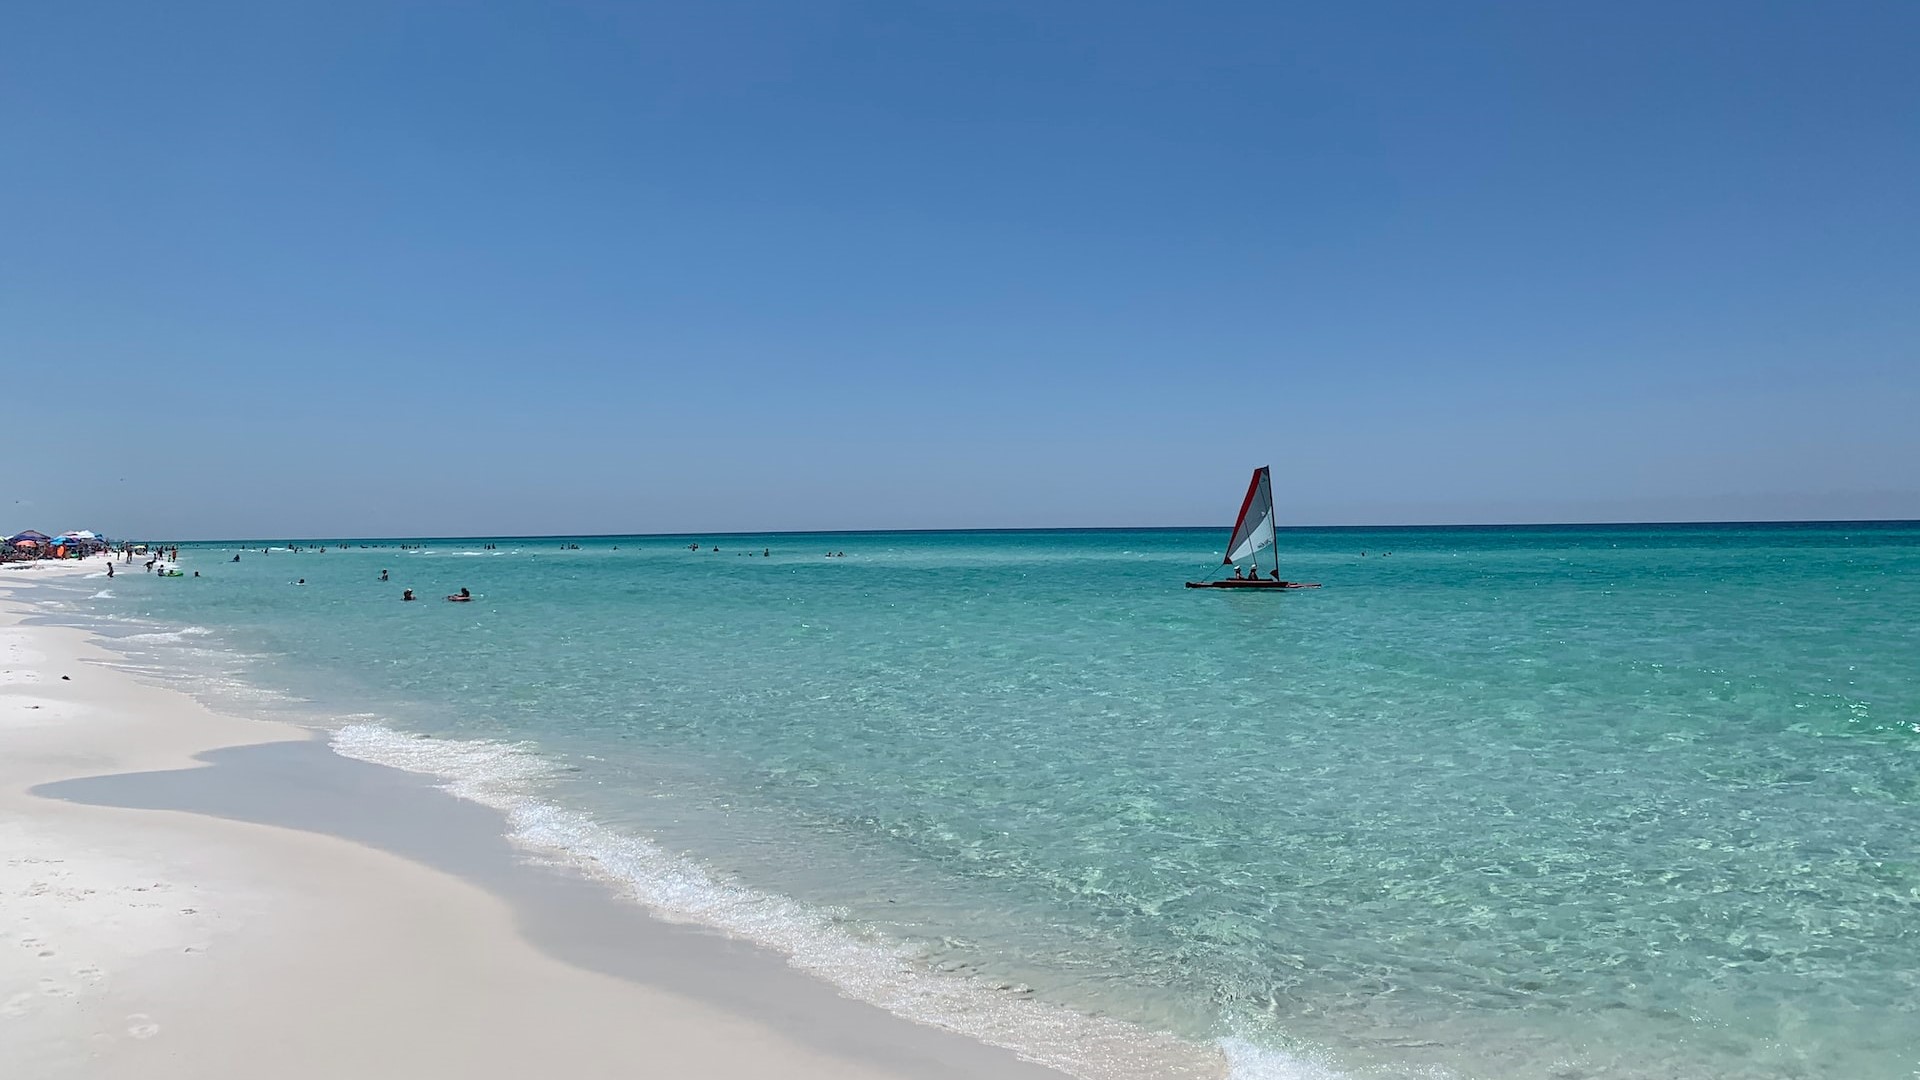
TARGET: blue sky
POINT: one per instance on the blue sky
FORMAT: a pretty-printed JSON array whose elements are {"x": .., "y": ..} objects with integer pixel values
[{"x": 430, "y": 268}]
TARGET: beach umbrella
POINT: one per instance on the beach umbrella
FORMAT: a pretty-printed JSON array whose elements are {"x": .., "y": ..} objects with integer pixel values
[{"x": 28, "y": 535}]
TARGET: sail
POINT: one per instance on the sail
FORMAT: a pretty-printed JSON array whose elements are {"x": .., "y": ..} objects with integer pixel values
[{"x": 1253, "y": 530}]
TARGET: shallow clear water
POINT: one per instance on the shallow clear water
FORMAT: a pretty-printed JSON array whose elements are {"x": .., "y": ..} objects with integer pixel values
[{"x": 1632, "y": 801}]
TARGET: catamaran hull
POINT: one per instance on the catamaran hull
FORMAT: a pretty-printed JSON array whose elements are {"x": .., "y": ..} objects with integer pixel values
[{"x": 1244, "y": 584}]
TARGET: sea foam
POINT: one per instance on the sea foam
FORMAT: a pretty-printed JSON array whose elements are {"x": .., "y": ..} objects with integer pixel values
[
  {"x": 168, "y": 636},
  {"x": 506, "y": 775}
]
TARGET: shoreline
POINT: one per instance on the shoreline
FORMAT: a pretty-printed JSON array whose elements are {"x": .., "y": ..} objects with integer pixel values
[{"x": 189, "y": 893}]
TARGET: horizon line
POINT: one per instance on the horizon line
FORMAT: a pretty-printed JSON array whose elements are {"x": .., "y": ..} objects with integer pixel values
[{"x": 683, "y": 535}]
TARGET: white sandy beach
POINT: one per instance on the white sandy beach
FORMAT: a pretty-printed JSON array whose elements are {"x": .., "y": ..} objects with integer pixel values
[{"x": 159, "y": 943}]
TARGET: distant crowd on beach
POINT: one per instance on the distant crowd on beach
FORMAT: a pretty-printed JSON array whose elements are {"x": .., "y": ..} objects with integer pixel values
[{"x": 31, "y": 546}]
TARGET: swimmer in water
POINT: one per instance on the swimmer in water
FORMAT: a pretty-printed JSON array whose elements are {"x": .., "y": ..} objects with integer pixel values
[
  {"x": 406, "y": 594},
  {"x": 383, "y": 575},
  {"x": 461, "y": 597}
]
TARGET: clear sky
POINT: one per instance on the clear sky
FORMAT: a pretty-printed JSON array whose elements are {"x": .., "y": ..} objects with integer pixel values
[{"x": 430, "y": 268}]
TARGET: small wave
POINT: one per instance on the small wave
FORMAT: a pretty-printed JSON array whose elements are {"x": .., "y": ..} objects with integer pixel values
[
  {"x": 103, "y": 594},
  {"x": 504, "y": 775},
  {"x": 181, "y": 634},
  {"x": 1248, "y": 1061}
]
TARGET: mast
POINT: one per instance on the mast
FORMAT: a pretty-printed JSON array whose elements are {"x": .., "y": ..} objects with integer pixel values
[
  {"x": 1273, "y": 516},
  {"x": 1275, "y": 513}
]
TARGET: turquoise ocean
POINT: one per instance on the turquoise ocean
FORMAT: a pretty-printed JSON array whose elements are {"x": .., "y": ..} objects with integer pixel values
[{"x": 1628, "y": 801}]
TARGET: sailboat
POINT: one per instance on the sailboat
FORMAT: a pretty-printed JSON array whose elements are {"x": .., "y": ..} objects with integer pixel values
[{"x": 1253, "y": 531}]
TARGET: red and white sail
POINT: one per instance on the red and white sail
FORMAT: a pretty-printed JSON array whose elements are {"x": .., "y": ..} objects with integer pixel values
[{"x": 1253, "y": 529}]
